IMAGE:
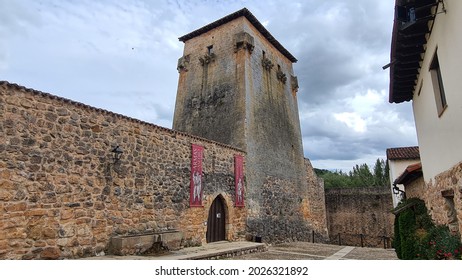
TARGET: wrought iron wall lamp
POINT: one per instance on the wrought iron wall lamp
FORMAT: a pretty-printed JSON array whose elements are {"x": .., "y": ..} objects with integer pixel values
[
  {"x": 117, "y": 153},
  {"x": 396, "y": 190}
]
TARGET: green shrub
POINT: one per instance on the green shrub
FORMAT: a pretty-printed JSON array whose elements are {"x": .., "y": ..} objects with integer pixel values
[
  {"x": 406, "y": 234},
  {"x": 417, "y": 237},
  {"x": 440, "y": 244},
  {"x": 396, "y": 242}
]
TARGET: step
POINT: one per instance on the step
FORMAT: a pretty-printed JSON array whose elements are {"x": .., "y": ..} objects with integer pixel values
[{"x": 217, "y": 250}]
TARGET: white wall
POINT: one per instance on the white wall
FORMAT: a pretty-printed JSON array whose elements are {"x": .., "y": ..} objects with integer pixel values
[
  {"x": 440, "y": 137},
  {"x": 397, "y": 168}
]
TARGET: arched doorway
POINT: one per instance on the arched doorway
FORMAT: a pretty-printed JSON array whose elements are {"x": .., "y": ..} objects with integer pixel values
[{"x": 216, "y": 222}]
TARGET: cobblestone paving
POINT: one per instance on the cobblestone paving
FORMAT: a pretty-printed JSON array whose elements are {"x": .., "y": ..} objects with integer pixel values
[{"x": 315, "y": 251}]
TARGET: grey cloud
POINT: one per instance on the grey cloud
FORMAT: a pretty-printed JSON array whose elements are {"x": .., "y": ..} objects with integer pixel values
[{"x": 340, "y": 45}]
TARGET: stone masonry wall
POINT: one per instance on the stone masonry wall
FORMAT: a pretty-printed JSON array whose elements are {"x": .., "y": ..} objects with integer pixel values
[
  {"x": 208, "y": 102},
  {"x": 63, "y": 196},
  {"x": 278, "y": 185},
  {"x": 414, "y": 189},
  {"x": 438, "y": 193},
  {"x": 442, "y": 196},
  {"x": 355, "y": 211},
  {"x": 237, "y": 88},
  {"x": 314, "y": 208}
]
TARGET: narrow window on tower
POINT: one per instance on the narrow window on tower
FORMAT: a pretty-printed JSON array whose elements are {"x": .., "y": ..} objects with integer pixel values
[
  {"x": 437, "y": 81},
  {"x": 208, "y": 57}
]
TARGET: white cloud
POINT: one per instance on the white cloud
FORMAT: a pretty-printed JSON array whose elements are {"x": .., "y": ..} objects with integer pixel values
[
  {"x": 122, "y": 55},
  {"x": 368, "y": 102},
  {"x": 352, "y": 120}
]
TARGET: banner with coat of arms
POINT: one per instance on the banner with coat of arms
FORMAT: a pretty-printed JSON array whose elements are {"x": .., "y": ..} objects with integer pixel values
[
  {"x": 196, "y": 186},
  {"x": 239, "y": 180}
]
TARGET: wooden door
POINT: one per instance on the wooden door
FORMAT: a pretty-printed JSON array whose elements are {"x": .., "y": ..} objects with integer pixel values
[{"x": 216, "y": 222}]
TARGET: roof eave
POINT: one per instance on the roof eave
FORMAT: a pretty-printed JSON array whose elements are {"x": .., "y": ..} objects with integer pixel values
[
  {"x": 252, "y": 19},
  {"x": 411, "y": 38},
  {"x": 410, "y": 174}
]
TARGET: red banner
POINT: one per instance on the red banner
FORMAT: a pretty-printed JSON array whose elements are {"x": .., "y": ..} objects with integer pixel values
[
  {"x": 196, "y": 186},
  {"x": 239, "y": 180}
]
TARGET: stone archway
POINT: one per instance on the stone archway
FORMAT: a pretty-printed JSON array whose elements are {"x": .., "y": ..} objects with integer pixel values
[{"x": 216, "y": 222}]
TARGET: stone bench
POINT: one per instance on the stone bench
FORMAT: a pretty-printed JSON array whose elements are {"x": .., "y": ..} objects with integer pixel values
[{"x": 140, "y": 243}]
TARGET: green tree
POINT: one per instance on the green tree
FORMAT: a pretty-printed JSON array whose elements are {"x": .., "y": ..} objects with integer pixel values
[
  {"x": 381, "y": 173},
  {"x": 359, "y": 176},
  {"x": 362, "y": 176}
]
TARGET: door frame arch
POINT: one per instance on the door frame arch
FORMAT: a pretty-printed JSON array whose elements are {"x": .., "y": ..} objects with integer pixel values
[{"x": 226, "y": 214}]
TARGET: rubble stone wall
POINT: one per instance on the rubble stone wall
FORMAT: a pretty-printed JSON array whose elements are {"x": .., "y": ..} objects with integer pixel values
[
  {"x": 352, "y": 212},
  {"x": 443, "y": 198},
  {"x": 63, "y": 196},
  {"x": 315, "y": 207}
]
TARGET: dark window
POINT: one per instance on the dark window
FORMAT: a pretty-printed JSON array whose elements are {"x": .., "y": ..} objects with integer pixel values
[
  {"x": 210, "y": 49},
  {"x": 438, "y": 88}
]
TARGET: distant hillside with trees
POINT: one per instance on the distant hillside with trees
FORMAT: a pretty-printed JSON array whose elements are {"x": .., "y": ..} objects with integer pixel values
[{"x": 360, "y": 176}]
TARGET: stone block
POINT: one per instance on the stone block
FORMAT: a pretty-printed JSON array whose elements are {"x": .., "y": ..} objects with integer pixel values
[
  {"x": 34, "y": 233},
  {"x": 16, "y": 207},
  {"x": 40, "y": 244},
  {"x": 67, "y": 230},
  {"x": 49, "y": 233},
  {"x": 172, "y": 240},
  {"x": 5, "y": 195},
  {"x": 50, "y": 253},
  {"x": 129, "y": 245},
  {"x": 37, "y": 212},
  {"x": 6, "y": 185},
  {"x": 3, "y": 244},
  {"x": 67, "y": 214}
]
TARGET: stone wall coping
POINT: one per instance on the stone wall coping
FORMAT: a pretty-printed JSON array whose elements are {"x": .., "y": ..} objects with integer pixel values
[
  {"x": 358, "y": 190},
  {"x": 14, "y": 86}
]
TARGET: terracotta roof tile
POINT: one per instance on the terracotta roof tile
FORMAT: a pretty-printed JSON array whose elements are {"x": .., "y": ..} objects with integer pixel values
[
  {"x": 403, "y": 153},
  {"x": 410, "y": 174}
]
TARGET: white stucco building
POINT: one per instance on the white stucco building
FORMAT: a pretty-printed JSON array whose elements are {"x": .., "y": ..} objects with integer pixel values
[
  {"x": 425, "y": 68},
  {"x": 399, "y": 159}
]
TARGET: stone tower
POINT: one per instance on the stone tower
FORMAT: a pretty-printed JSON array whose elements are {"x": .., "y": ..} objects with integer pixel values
[{"x": 237, "y": 87}]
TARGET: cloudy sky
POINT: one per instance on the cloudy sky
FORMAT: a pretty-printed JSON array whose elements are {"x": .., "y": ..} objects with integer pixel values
[{"x": 121, "y": 55}]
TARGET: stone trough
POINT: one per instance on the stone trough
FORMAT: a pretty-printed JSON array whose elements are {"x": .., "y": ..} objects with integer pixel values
[{"x": 142, "y": 243}]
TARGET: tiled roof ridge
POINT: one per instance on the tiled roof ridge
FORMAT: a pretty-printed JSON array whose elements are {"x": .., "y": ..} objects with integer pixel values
[
  {"x": 244, "y": 12},
  {"x": 104, "y": 111},
  {"x": 411, "y": 152}
]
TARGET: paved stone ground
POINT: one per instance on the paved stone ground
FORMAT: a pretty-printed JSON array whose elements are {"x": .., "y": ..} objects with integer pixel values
[
  {"x": 286, "y": 251},
  {"x": 316, "y": 251}
]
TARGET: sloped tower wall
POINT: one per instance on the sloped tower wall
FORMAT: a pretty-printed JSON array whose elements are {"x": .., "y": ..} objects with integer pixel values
[{"x": 237, "y": 86}]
